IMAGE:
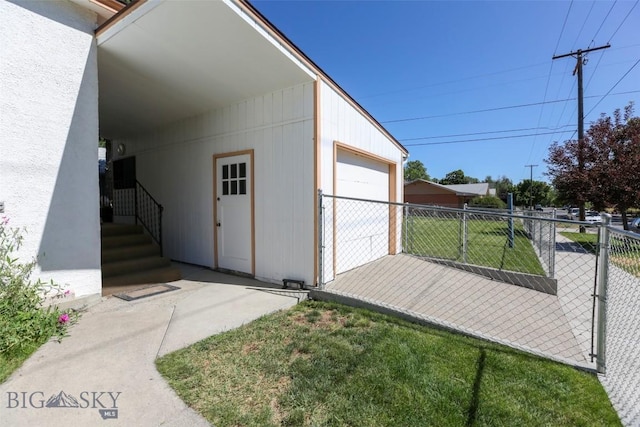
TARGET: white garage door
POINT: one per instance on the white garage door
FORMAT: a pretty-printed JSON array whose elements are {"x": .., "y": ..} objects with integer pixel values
[{"x": 362, "y": 228}]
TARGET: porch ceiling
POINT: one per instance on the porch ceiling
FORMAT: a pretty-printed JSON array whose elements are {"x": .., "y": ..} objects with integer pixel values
[{"x": 165, "y": 61}]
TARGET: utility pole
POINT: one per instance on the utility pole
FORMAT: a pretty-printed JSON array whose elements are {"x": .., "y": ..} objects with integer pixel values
[
  {"x": 531, "y": 183},
  {"x": 579, "y": 63}
]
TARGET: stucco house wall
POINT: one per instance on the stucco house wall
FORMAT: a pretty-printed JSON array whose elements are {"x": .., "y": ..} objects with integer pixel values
[{"x": 48, "y": 138}]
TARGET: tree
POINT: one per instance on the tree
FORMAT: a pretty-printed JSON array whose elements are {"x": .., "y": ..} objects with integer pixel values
[
  {"x": 458, "y": 177},
  {"x": 614, "y": 148},
  {"x": 503, "y": 186},
  {"x": 529, "y": 193},
  {"x": 414, "y": 169},
  {"x": 611, "y": 164}
]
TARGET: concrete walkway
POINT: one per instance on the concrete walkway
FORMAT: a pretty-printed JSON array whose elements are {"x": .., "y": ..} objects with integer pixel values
[
  {"x": 445, "y": 296},
  {"x": 107, "y": 362}
]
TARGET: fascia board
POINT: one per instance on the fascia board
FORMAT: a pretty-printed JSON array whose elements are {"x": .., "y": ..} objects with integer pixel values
[{"x": 131, "y": 17}]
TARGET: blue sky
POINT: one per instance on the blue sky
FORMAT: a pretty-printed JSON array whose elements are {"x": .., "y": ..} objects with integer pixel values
[{"x": 445, "y": 61}]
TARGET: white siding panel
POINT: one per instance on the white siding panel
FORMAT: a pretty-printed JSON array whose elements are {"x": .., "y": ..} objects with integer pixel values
[
  {"x": 175, "y": 164},
  {"x": 340, "y": 121}
]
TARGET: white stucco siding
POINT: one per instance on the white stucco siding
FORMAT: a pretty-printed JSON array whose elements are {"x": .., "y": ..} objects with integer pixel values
[
  {"x": 176, "y": 166},
  {"x": 48, "y": 138},
  {"x": 341, "y": 123}
]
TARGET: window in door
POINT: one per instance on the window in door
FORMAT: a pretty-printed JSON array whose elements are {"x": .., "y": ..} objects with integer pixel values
[{"x": 234, "y": 179}]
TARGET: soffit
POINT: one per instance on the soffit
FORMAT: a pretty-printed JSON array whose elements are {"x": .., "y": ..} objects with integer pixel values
[{"x": 171, "y": 60}]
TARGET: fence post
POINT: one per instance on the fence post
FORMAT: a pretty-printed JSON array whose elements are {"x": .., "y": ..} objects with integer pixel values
[
  {"x": 320, "y": 242},
  {"x": 512, "y": 236},
  {"x": 405, "y": 230},
  {"x": 552, "y": 245},
  {"x": 603, "y": 278},
  {"x": 464, "y": 234},
  {"x": 539, "y": 218}
]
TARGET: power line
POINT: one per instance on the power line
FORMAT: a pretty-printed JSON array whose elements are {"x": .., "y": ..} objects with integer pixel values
[
  {"x": 482, "y": 133},
  {"x": 625, "y": 18},
  {"x": 613, "y": 87},
  {"x": 563, "y": 27},
  {"x": 604, "y": 20},
  {"x": 482, "y": 139},
  {"x": 497, "y": 108},
  {"x": 584, "y": 23},
  {"x": 410, "y": 89}
]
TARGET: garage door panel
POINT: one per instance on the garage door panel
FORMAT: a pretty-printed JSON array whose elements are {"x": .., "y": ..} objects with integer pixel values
[
  {"x": 362, "y": 228},
  {"x": 362, "y": 178}
]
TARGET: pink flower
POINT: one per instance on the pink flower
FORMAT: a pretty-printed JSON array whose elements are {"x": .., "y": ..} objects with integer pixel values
[
  {"x": 63, "y": 319},
  {"x": 5, "y": 220},
  {"x": 67, "y": 292}
]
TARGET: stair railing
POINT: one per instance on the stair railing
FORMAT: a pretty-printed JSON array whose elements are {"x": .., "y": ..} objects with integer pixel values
[
  {"x": 140, "y": 204},
  {"x": 149, "y": 213}
]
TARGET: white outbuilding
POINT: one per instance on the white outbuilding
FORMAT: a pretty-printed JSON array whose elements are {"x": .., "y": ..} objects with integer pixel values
[{"x": 210, "y": 108}]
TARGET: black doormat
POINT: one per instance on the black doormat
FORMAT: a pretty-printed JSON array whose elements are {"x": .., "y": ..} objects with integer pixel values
[{"x": 147, "y": 291}]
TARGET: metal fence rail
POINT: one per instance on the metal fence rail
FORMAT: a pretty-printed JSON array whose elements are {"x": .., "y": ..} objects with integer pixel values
[{"x": 532, "y": 282}]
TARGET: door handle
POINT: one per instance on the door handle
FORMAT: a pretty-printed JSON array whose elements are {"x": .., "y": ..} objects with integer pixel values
[{"x": 218, "y": 224}]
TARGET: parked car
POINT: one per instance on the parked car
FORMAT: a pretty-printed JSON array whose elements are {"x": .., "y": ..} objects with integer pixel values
[
  {"x": 592, "y": 217},
  {"x": 539, "y": 208},
  {"x": 635, "y": 225},
  {"x": 573, "y": 213}
]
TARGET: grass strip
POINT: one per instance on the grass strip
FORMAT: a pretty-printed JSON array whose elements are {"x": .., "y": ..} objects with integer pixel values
[{"x": 322, "y": 364}]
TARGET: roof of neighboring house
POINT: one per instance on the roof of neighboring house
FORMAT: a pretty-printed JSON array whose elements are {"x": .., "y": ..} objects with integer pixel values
[{"x": 480, "y": 189}]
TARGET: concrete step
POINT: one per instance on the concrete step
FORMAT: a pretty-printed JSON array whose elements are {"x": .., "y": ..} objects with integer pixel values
[
  {"x": 156, "y": 275},
  {"x": 109, "y": 242},
  {"x": 129, "y": 252},
  {"x": 133, "y": 265},
  {"x": 108, "y": 229}
]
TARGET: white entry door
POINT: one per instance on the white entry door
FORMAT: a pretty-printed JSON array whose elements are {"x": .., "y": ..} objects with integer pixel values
[{"x": 234, "y": 213}]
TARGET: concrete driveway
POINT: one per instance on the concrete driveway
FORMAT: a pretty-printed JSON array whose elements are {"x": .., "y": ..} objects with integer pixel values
[{"x": 104, "y": 372}]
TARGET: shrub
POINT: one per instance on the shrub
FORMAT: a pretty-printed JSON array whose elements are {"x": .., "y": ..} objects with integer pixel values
[
  {"x": 25, "y": 320},
  {"x": 488, "y": 202}
]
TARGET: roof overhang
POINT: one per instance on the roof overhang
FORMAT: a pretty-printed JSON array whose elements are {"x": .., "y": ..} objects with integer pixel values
[{"x": 162, "y": 61}]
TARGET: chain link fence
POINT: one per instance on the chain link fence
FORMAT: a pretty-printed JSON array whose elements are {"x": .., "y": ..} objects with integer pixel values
[
  {"x": 543, "y": 237},
  {"x": 532, "y": 282},
  {"x": 622, "y": 363}
]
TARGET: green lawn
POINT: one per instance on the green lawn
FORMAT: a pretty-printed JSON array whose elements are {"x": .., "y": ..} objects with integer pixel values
[
  {"x": 625, "y": 251},
  {"x": 329, "y": 365},
  {"x": 487, "y": 243}
]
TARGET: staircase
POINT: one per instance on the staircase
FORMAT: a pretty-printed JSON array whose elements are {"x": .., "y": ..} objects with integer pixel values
[{"x": 130, "y": 257}]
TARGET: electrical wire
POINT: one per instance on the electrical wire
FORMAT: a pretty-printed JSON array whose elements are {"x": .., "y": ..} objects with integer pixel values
[
  {"x": 563, "y": 27},
  {"x": 625, "y": 18},
  {"x": 604, "y": 20},
  {"x": 483, "y": 133},
  {"x": 497, "y": 108},
  {"x": 481, "y": 139},
  {"x": 613, "y": 87}
]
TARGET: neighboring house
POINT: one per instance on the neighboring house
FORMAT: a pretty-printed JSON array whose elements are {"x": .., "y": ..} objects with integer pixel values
[
  {"x": 424, "y": 192},
  {"x": 226, "y": 123}
]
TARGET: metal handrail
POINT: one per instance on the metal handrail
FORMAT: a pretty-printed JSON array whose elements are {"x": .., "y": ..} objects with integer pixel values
[{"x": 147, "y": 209}]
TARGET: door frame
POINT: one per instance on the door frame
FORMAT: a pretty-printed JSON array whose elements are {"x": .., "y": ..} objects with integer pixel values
[{"x": 252, "y": 203}]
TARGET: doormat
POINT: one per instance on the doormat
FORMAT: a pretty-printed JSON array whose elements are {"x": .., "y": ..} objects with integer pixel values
[{"x": 146, "y": 292}]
